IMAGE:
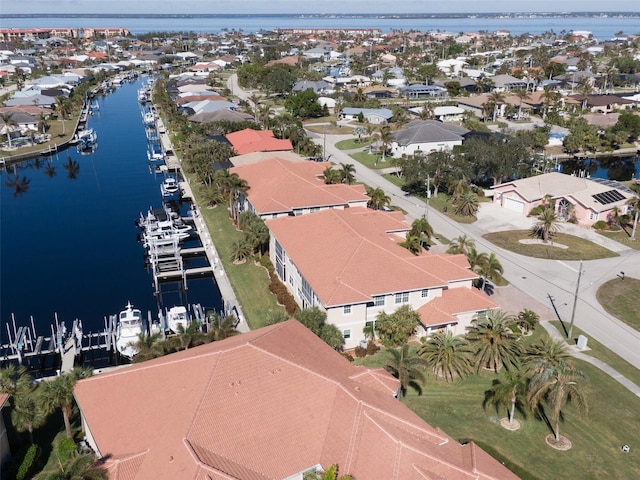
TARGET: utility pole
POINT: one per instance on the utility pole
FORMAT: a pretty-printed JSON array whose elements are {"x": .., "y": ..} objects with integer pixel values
[
  {"x": 324, "y": 145},
  {"x": 426, "y": 204},
  {"x": 575, "y": 302}
]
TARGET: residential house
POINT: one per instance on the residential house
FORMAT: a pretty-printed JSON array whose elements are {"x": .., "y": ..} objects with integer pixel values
[
  {"x": 424, "y": 91},
  {"x": 283, "y": 187},
  {"x": 578, "y": 199},
  {"x": 507, "y": 83},
  {"x": 348, "y": 263},
  {"x": 248, "y": 140},
  {"x": 426, "y": 136},
  {"x": 376, "y": 116},
  {"x": 602, "y": 103},
  {"x": 318, "y": 87},
  {"x": 271, "y": 404}
]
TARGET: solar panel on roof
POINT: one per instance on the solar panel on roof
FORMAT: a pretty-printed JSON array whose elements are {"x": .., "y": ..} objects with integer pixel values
[{"x": 610, "y": 196}]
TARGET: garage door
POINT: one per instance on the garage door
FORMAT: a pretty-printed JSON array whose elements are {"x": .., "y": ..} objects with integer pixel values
[{"x": 514, "y": 205}]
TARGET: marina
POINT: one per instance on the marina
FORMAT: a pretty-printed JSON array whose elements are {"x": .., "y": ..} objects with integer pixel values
[{"x": 86, "y": 205}]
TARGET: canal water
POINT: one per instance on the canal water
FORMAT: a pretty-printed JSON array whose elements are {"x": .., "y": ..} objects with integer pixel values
[{"x": 68, "y": 240}]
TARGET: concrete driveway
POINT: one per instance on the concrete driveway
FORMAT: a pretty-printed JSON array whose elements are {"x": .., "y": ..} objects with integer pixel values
[{"x": 537, "y": 277}]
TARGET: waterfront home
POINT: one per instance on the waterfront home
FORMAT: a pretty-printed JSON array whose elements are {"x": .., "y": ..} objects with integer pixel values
[
  {"x": 426, "y": 136},
  {"x": 577, "y": 199},
  {"x": 273, "y": 403},
  {"x": 249, "y": 140},
  {"x": 349, "y": 264},
  {"x": 281, "y": 187}
]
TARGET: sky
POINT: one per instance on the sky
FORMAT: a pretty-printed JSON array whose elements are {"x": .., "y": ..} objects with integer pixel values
[{"x": 307, "y": 6}]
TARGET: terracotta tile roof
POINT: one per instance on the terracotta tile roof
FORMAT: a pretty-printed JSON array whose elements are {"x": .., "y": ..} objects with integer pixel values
[
  {"x": 248, "y": 140},
  {"x": 242, "y": 407},
  {"x": 454, "y": 301},
  {"x": 361, "y": 257},
  {"x": 279, "y": 185}
]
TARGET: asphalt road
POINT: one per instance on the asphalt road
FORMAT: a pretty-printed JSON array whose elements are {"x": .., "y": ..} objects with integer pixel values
[{"x": 537, "y": 277}]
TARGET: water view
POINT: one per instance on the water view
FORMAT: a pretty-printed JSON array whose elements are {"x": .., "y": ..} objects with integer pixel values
[{"x": 68, "y": 241}]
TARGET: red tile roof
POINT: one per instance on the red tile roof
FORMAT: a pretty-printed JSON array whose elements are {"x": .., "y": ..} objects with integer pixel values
[
  {"x": 279, "y": 185},
  {"x": 349, "y": 256},
  {"x": 454, "y": 301},
  {"x": 248, "y": 140},
  {"x": 265, "y": 405}
]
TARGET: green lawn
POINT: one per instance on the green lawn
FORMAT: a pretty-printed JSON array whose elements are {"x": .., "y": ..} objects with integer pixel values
[
  {"x": 612, "y": 421},
  {"x": 621, "y": 298},
  {"x": 371, "y": 160},
  {"x": 622, "y": 237},
  {"x": 352, "y": 143},
  {"x": 579, "y": 249},
  {"x": 250, "y": 282},
  {"x": 599, "y": 351}
]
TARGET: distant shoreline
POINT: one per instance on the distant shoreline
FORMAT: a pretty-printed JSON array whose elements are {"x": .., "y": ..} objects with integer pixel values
[{"x": 334, "y": 15}]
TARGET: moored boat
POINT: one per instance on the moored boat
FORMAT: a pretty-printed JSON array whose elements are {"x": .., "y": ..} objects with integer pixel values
[
  {"x": 128, "y": 329},
  {"x": 177, "y": 316},
  {"x": 170, "y": 188}
]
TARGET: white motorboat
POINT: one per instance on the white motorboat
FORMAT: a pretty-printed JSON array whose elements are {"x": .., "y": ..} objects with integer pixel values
[
  {"x": 128, "y": 329},
  {"x": 177, "y": 316},
  {"x": 170, "y": 188},
  {"x": 155, "y": 156},
  {"x": 149, "y": 118}
]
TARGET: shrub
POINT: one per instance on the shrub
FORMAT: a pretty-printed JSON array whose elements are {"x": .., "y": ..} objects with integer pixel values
[
  {"x": 372, "y": 348},
  {"x": 27, "y": 462},
  {"x": 265, "y": 261},
  {"x": 600, "y": 225},
  {"x": 65, "y": 449},
  {"x": 360, "y": 352},
  {"x": 347, "y": 356}
]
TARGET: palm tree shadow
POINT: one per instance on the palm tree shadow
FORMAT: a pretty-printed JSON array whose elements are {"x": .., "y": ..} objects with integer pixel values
[{"x": 540, "y": 414}]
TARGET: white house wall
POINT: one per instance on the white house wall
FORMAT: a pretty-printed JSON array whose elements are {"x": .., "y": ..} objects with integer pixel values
[{"x": 399, "y": 150}]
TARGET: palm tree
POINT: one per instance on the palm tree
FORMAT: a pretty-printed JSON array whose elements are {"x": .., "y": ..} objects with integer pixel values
[
  {"x": 497, "y": 99},
  {"x": 546, "y": 356},
  {"x": 527, "y": 320},
  {"x": 378, "y": 199},
  {"x": 64, "y": 107},
  {"x": 546, "y": 225},
  {"x": 466, "y": 204},
  {"x": 79, "y": 467},
  {"x": 461, "y": 244},
  {"x": 332, "y": 336},
  {"x": 190, "y": 336},
  {"x": 558, "y": 389},
  {"x": 9, "y": 123},
  {"x": 491, "y": 269},
  {"x": 14, "y": 380},
  {"x": 510, "y": 390},
  {"x": 58, "y": 393},
  {"x": 407, "y": 368},
  {"x": 148, "y": 346},
  {"x": 585, "y": 88},
  {"x": 413, "y": 244},
  {"x": 635, "y": 205},
  {"x": 493, "y": 342},
  {"x": 347, "y": 171},
  {"x": 254, "y": 103},
  {"x": 385, "y": 138},
  {"x": 476, "y": 259},
  {"x": 331, "y": 175},
  {"x": 26, "y": 413},
  {"x": 450, "y": 356},
  {"x": 422, "y": 229},
  {"x": 331, "y": 473},
  {"x": 241, "y": 250},
  {"x": 237, "y": 186},
  {"x": 522, "y": 95},
  {"x": 219, "y": 328},
  {"x": 458, "y": 187}
]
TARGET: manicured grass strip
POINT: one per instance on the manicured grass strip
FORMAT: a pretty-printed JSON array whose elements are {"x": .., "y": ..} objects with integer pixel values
[
  {"x": 621, "y": 237},
  {"x": 250, "y": 282},
  {"x": 599, "y": 351},
  {"x": 352, "y": 143},
  {"x": 371, "y": 160},
  {"x": 621, "y": 298},
  {"x": 579, "y": 248}
]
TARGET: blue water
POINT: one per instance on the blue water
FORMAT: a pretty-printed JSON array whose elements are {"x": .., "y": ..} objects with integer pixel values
[
  {"x": 603, "y": 28},
  {"x": 69, "y": 246}
]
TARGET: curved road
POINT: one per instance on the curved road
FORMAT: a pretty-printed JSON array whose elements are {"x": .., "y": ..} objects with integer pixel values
[{"x": 537, "y": 277}]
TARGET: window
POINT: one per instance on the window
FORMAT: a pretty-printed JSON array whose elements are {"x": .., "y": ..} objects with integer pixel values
[
  {"x": 346, "y": 309},
  {"x": 592, "y": 216},
  {"x": 274, "y": 215},
  {"x": 424, "y": 293},
  {"x": 346, "y": 334},
  {"x": 402, "y": 297},
  {"x": 314, "y": 209},
  {"x": 378, "y": 301}
]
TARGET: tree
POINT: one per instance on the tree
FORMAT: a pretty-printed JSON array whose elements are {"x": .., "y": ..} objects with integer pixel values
[
  {"x": 546, "y": 356},
  {"x": 241, "y": 250},
  {"x": 332, "y": 336},
  {"x": 493, "y": 342},
  {"x": 476, "y": 259},
  {"x": 79, "y": 467},
  {"x": 9, "y": 123},
  {"x": 14, "y": 379},
  {"x": 304, "y": 104},
  {"x": 26, "y": 413},
  {"x": 491, "y": 269},
  {"x": 331, "y": 175},
  {"x": 497, "y": 99},
  {"x": 148, "y": 346},
  {"x": 219, "y": 328},
  {"x": 396, "y": 328},
  {"x": 556, "y": 390},
  {"x": 407, "y": 368},
  {"x": 509, "y": 390},
  {"x": 449, "y": 356},
  {"x": 466, "y": 204},
  {"x": 237, "y": 187},
  {"x": 378, "y": 199},
  {"x": 461, "y": 244},
  {"x": 347, "y": 171},
  {"x": 385, "y": 137},
  {"x": 546, "y": 225},
  {"x": 522, "y": 95},
  {"x": 422, "y": 229},
  {"x": 412, "y": 243},
  {"x": 58, "y": 393},
  {"x": 190, "y": 335},
  {"x": 312, "y": 318},
  {"x": 64, "y": 108},
  {"x": 527, "y": 320},
  {"x": 331, "y": 473}
]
